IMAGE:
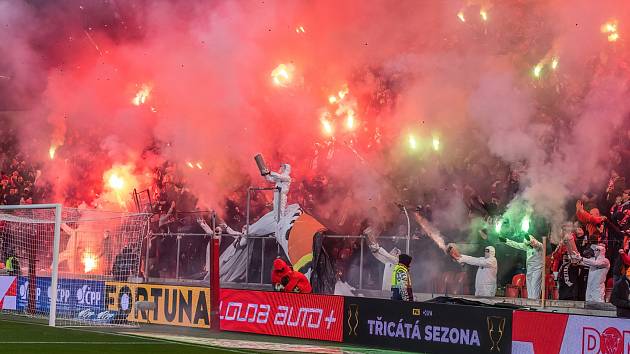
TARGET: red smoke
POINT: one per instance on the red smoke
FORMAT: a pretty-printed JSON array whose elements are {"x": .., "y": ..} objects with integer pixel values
[{"x": 410, "y": 68}]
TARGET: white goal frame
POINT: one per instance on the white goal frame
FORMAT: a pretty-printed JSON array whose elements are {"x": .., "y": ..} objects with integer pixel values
[{"x": 52, "y": 316}]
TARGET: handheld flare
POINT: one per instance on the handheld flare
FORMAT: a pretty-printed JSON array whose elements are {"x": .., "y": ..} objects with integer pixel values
[{"x": 262, "y": 167}]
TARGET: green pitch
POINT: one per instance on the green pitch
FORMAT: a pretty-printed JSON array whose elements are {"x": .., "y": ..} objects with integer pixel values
[
  {"x": 23, "y": 335},
  {"x": 27, "y": 337}
]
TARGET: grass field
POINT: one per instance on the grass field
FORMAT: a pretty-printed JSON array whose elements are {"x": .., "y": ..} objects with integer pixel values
[
  {"x": 27, "y": 337},
  {"x": 24, "y": 335}
]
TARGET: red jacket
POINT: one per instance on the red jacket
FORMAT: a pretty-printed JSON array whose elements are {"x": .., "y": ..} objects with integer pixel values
[
  {"x": 286, "y": 279},
  {"x": 298, "y": 283},
  {"x": 591, "y": 222},
  {"x": 280, "y": 270}
]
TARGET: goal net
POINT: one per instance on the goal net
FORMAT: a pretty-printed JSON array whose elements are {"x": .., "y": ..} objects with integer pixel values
[{"x": 78, "y": 252}]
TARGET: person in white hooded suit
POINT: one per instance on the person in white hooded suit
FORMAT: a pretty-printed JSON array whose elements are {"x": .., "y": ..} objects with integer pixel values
[
  {"x": 486, "y": 279},
  {"x": 598, "y": 267},
  {"x": 276, "y": 222},
  {"x": 534, "y": 261}
]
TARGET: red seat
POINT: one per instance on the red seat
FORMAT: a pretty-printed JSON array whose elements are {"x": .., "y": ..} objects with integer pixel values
[
  {"x": 551, "y": 288},
  {"x": 458, "y": 282},
  {"x": 609, "y": 285},
  {"x": 519, "y": 280},
  {"x": 517, "y": 287}
]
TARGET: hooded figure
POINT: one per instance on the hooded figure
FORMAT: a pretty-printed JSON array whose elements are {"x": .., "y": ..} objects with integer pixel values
[
  {"x": 401, "y": 280},
  {"x": 280, "y": 271},
  {"x": 276, "y": 222},
  {"x": 282, "y": 180},
  {"x": 486, "y": 279},
  {"x": 286, "y": 279},
  {"x": 534, "y": 263},
  {"x": 597, "y": 271}
]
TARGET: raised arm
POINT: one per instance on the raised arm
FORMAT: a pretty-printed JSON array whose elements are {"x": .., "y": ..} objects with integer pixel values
[{"x": 477, "y": 261}]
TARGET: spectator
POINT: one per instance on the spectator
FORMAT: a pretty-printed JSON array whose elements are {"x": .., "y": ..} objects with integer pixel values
[
  {"x": 622, "y": 264},
  {"x": 12, "y": 264},
  {"x": 568, "y": 278},
  {"x": 598, "y": 269},
  {"x": 486, "y": 279},
  {"x": 288, "y": 280},
  {"x": 593, "y": 221},
  {"x": 620, "y": 296},
  {"x": 401, "y": 280},
  {"x": 124, "y": 265}
]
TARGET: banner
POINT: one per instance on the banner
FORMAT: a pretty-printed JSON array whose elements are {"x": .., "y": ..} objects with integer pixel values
[
  {"x": 76, "y": 298},
  {"x": 307, "y": 316},
  {"x": 173, "y": 305},
  {"x": 427, "y": 327},
  {"x": 8, "y": 292},
  {"x": 539, "y": 332}
]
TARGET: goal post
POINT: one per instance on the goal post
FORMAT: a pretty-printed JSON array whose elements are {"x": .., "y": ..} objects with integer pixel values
[
  {"x": 54, "y": 277},
  {"x": 59, "y": 261}
]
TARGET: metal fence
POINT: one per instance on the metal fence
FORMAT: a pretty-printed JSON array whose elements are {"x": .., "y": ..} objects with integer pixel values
[{"x": 172, "y": 251}]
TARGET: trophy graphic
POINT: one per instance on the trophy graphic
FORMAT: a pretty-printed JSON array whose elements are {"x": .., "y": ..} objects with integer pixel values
[
  {"x": 496, "y": 325},
  {"x": 353, "y": 321}
]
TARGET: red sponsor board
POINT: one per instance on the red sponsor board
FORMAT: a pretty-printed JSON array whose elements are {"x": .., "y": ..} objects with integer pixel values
[
  {"x": 282, "y": 314},
  {"x": 540, "y": 332},
  {"x": 537, "y": 332}
]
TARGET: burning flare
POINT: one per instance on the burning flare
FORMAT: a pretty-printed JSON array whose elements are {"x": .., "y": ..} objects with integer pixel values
[
  {"x": 119, "y": 182},
  {"x": 282, "y": 75},
  {"x": 413, "y": 144},
  {"x": 51, "y": 151},
  {"x": 460, "y": 15},
  {"x": 436, "y": 143},
  {"x": 610, "y": 28},
  {"x": 483, "y": 14},
  {"x": 326, "y": 125},
  {"x": 350, "y": 121},
  {"x": 537, "y": 70},
  {"x": 89, "y": 260},
  {"x": 116, "y": 182},
  {"x": 142, "y": 95}
]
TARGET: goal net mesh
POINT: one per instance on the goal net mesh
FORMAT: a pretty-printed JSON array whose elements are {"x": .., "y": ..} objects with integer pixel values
[{"x": 95, "y": 248}]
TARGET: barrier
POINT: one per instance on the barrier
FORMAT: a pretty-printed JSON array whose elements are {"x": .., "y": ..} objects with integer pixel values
[
  {"x": 174, "y": 305},
  {"x": 540, "y": 332},
  {"x": 8, "y": 293},
  {"x": 306, "y": 316},
  {"x": 427, "y": 327},
  {"x": 73, "y": 295}
]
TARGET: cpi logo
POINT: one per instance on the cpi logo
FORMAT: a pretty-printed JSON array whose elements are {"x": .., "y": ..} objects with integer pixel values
[
  {"x": 609, "y": 341},
  {"x": 85, "y": 296}
]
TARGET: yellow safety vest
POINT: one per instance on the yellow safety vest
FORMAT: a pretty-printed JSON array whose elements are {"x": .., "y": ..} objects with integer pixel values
[{"x": 9, "y": 264}]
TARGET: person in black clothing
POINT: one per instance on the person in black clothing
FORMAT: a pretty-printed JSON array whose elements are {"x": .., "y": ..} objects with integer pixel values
[
  {"x": 125, "y": 264},
  {"x": 620, "y": 296},
  {"x": 568, "y": 277}
]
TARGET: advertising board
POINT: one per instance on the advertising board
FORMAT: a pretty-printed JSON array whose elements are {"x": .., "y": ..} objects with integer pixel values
[
  {"x": 427, "y": 327},
  {"x": 282, "y": 314},
  {"x": 541, "y": 332},
  {"x": 8, "y": 292},
  {"x": 76, "y": 298},
  {"x": 172, "y": 305}
]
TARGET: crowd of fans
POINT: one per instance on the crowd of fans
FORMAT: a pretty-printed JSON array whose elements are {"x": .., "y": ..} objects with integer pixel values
[
  {"x": 483, "y": 183},
  {"x": 18, "y": 175}
]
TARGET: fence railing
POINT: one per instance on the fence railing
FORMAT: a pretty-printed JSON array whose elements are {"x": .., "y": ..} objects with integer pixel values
[
  {"x": 173, "y": 254},
  {"x": 188, "y": 258}
]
